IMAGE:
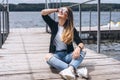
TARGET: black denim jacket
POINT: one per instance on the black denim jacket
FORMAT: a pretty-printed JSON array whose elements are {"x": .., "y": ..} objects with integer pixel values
[{"x": 53, "y": 25}]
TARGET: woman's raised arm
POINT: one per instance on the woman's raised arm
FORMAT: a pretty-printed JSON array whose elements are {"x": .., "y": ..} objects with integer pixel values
[{"x": 48, "y": 11}]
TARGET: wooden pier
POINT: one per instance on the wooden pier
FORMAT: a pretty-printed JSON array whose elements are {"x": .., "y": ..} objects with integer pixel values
[
  {"x": 107, "y": 33},
  {"x": 22, "y": 58}
]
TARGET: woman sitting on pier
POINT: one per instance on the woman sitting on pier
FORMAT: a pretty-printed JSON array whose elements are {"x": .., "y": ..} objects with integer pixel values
[{"x": 62, "y": 55}]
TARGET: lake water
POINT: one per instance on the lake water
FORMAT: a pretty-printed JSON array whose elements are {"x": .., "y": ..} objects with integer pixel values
[
  {"x": 34, "y": 19},
  {"x": 111, "y": 49}
]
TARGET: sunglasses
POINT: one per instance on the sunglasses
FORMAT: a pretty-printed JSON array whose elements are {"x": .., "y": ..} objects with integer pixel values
[{"x": 63, "y": 10}]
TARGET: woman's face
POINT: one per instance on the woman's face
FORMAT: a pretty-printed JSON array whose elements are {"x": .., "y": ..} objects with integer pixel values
[{"x": 63, "y": 13}]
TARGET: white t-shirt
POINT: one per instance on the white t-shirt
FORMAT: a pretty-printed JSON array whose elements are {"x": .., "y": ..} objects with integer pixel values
[{"x": 60, "y": 45}]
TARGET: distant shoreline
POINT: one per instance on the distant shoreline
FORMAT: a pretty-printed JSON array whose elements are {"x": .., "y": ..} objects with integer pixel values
[
  {"x": 74, "y": 11},
  {"x": 40, "y": 6}
]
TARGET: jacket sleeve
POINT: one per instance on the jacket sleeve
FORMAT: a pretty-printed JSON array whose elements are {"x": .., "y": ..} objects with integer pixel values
[
  {"x": 77, "y": 39},
  {"x": 51, "y": 23}
]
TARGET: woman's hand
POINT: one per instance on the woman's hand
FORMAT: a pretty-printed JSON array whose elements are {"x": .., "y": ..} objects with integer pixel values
[{"x": 76, "y": 53}]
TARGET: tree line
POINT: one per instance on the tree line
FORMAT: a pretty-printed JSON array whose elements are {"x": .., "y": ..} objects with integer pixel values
[{"x": 40, "y": 6}]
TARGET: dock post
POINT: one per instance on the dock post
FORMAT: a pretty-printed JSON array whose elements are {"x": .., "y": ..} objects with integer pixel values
[
  {"x": 53, "y": 6},
  {"x": 98, "y": 32},
  {"x": 8, "y": 26},
  {"x": 3, "y": 22},
  {"x": 60, "y": 3},
  {"x": 0, "y": 32},
  {"x": 110, "y": 21},
  {"x": 90, "y": 22},
  {"x": 6, "y": 22},
  {"x": 80, "y": 23},
  {"x": 46, "y": 6}
]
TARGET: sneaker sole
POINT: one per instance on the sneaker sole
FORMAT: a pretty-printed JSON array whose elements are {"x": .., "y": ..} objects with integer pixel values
[
  {"x": 67, "y": 77},
  {"x": 83, "y": 76}
]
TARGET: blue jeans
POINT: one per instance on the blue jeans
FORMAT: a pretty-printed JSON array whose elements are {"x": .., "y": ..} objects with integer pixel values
[{"x": 62, "y": 60}]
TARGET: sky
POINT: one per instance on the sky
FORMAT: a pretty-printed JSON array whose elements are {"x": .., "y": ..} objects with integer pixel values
[{"x": 42, "y": 1}]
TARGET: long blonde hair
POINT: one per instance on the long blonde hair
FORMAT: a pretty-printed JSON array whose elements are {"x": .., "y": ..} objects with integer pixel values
[{"x": 67, "y": 35}]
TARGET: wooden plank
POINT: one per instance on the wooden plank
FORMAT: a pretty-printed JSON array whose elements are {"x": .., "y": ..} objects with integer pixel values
[
  {"x": 34, "y": 44},
  {"x": 50, "y": 76},
  {"x": 106, "y": 77},
  {"x": 16, "y": 77}
]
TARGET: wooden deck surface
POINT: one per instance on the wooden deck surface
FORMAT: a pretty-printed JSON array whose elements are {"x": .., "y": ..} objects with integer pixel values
[{"x": 22, "y": 58}]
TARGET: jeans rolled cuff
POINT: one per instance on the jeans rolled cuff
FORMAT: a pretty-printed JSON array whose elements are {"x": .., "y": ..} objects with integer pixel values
[
  {"x": 75, "y": 68},
  {"x": 83, "y": 53},
  {"x": 49, "y": 60}
]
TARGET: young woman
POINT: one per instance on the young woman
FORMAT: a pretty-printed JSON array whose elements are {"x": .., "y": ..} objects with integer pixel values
[{"x": 62, "y": 55}]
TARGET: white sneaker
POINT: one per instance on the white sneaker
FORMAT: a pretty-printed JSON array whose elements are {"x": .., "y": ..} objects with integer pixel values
[
  {"x": 82, "y": 72},
  {"x": 67, "y": 74}
]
